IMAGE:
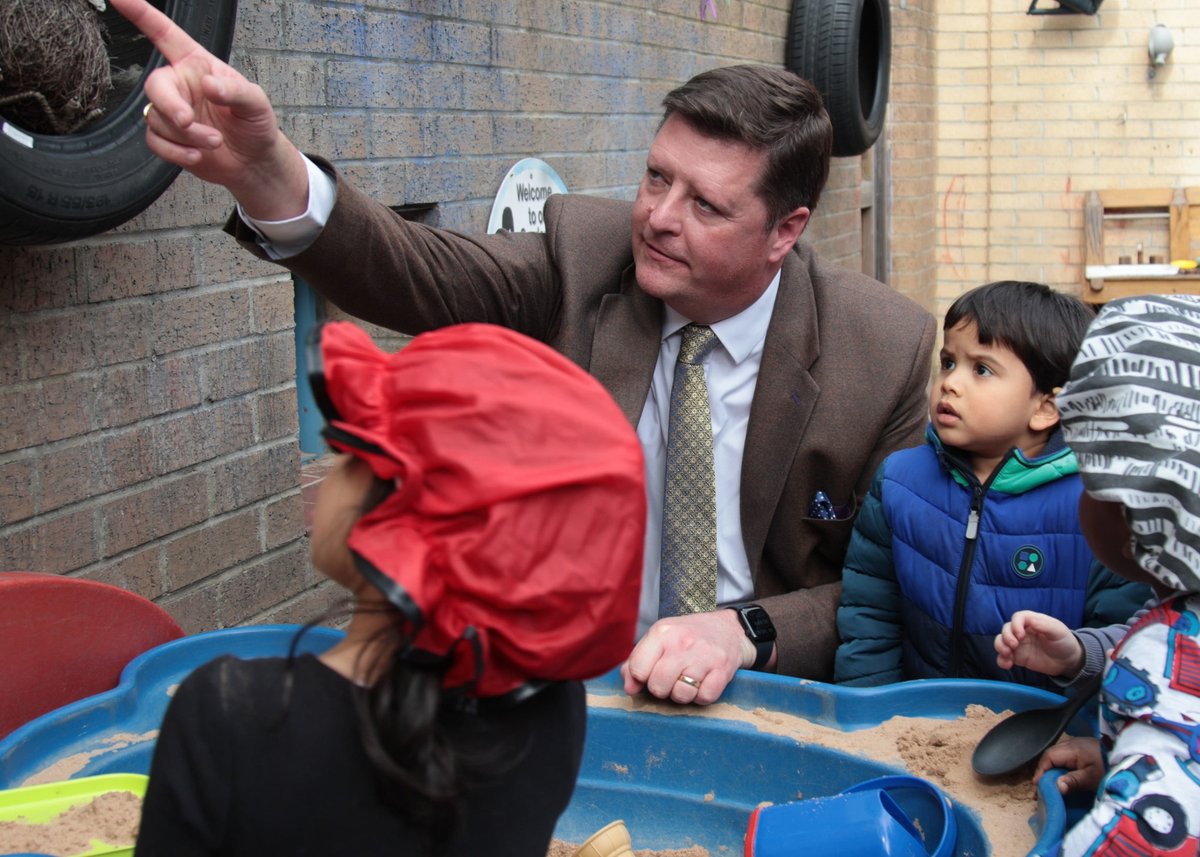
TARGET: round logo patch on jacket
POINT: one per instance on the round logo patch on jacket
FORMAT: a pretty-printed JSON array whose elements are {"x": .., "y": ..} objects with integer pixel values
[{"x": 1027, "y": 562}]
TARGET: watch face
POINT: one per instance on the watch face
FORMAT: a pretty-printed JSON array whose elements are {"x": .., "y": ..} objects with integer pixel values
[{"x": 757, "y": 623}]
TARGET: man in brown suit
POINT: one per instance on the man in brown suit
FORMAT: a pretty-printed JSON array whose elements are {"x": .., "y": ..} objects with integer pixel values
[{"x": 821, "y": 371}]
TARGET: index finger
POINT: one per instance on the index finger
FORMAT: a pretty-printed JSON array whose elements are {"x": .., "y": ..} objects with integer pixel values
[
  {"x": 170, "y": 39},
  {"x": 645, "y": 655},
  {"x": 1019, "y": 624}
]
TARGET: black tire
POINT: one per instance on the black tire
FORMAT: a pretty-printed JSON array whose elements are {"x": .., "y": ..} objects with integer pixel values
[
  {"x": 61, "y": 187},
  {"x": 844, "y": 47}
]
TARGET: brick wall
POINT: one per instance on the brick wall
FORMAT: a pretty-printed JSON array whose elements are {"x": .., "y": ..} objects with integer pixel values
[
  {"x": 148, "y": 418},
  {"x": 1033, "y": 112},
  {"x": 911, "y": 139},
  {"x": 147, "y": 383}
]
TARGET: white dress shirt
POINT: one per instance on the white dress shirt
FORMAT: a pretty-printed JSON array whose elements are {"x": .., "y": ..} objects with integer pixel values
[
  {"x": 731, "y": 372},
  {"x": 284, "y": 238}
]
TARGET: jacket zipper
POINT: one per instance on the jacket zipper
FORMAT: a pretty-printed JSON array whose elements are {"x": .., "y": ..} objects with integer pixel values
[
  {"x": 963, "y": 585},
  {"x": 964, "y": 581}
]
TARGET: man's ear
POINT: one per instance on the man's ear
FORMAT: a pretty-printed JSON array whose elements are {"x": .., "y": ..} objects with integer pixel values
[
  {"x": 786, "y": 233},
  {"x": 1046, "y": 416}
]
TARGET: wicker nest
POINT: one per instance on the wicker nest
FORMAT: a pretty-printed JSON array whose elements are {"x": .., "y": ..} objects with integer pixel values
[{"x": 54, "y": 67}]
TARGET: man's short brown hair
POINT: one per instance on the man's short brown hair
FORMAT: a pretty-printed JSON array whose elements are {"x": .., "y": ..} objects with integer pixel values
[{"x": 769, "y": 109}]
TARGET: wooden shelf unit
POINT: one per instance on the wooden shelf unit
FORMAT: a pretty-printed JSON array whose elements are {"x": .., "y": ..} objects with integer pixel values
[{"x": 1180, "y": 207}]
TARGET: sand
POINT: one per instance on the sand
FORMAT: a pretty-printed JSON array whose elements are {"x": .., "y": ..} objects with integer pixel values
[
  {"x": 68, "y": 766},
  {"x": 111, "y": 818},
  {"x": 938, "y": 750},
  {"x": 558, "y": 848}
]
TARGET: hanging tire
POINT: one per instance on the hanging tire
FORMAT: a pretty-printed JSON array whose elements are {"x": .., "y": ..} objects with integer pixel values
[
  {"x": 59, "y": 187},
  {"x": 844, "y": 47}
]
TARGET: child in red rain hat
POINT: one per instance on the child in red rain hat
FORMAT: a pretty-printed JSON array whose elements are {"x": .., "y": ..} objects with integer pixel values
[{"x": 488, "y": 516}]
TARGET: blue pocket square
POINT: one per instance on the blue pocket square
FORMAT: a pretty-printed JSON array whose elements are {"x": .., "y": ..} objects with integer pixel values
[{"x": 822, "y": 508}]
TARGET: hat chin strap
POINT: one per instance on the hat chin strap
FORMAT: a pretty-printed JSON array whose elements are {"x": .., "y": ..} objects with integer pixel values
[
  {"x": 396, "y": 594},
  {"x": 464, "y": 700},
  {"x": 426, "y": 659},
  {"x": 460, "y": 696}
]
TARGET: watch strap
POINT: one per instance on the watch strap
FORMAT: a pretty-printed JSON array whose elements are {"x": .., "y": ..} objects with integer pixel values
[
  {"x": 764, "y": 644},
  {"x": 763, "y": 649}
]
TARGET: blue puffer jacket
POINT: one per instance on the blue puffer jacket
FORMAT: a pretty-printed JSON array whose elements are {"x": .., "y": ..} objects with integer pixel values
[{"x": 938, "y": 563}]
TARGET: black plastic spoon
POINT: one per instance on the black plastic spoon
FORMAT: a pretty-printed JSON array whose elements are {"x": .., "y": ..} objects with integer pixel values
[{"x": 1021, "y": 738}]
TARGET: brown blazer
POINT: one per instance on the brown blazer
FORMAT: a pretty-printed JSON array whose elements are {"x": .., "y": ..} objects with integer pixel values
[{"x": 842, "y": 381}]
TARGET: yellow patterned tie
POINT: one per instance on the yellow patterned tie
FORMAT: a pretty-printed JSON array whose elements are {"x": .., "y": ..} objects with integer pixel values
[{"x": 689, "y": 527}]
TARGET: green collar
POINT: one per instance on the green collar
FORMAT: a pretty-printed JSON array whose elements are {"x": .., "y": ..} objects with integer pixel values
[{"x": 1016, "y": 473}]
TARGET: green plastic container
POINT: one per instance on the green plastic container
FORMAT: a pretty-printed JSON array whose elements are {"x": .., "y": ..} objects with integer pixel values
[{"x": 43, "y": 803}]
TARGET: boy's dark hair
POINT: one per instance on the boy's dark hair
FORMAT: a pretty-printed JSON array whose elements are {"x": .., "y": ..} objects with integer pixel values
[
  {"x": 769, "y": 109},
  {"x": 1044, "y": 328}
]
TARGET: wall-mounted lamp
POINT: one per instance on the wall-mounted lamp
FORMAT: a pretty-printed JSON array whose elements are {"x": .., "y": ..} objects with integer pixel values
[
  {"x": 1066, "y": 7},
  {"x": 1160, "y": 46}
]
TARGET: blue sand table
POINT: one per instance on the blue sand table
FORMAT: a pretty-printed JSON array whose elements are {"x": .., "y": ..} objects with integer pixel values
[{"x": 675, "y": 779}]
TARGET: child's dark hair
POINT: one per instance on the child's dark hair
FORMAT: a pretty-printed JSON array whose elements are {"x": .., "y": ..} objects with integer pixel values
[
  {"x": 426, "y": 746},
  {"x": 425, "y": 742},
  {"x": 1044, "y": 328}
]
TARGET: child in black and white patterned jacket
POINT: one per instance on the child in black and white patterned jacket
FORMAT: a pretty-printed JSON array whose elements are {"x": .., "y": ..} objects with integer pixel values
[{"x": 1131, "y": 412}]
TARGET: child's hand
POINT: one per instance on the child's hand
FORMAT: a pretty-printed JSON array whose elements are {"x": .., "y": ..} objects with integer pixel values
[
  {"x": 1040, "y": 643},
  {"x": 1083, "y": 760}
]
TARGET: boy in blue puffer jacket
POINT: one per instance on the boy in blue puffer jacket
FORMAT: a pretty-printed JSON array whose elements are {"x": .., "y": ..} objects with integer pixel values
[{"x": 957, "y": 535}]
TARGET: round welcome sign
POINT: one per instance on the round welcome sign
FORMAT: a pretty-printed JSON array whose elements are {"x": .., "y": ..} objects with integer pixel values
[{"x": 522, "y": 194}]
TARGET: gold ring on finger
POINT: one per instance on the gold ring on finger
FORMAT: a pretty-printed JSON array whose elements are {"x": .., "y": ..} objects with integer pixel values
[{"x": 687, "y": 679}]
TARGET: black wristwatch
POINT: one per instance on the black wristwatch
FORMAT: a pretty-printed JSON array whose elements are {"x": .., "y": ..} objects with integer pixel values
[{"x": 759, "y": 629}]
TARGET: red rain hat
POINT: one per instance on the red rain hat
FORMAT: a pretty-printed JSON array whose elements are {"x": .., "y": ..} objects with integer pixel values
[{"x": 513, "y": 541}]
